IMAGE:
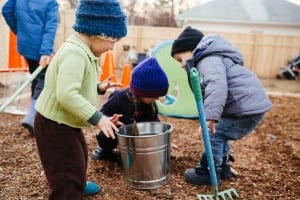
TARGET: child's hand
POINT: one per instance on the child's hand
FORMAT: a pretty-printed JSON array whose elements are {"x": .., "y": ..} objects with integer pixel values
[
  {"x": 107, "y": 83},
  {"x": 210, "y": 125},
  {"x": 107, "y": 127},
  {"x": 45, "y": 60},
  {"x": 115, "y": 119}
]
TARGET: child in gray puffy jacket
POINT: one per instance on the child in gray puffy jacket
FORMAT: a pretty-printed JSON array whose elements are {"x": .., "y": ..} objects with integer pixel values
[{"x": 234, "y": 99}]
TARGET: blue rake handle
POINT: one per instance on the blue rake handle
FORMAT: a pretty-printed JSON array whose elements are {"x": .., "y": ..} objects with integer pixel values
[
  {"x": 23, "y": 86},
  {"x": 195, "y": 81}
]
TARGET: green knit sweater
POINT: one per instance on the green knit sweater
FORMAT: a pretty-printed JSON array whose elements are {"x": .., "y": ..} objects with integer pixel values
[{"x": 70, "y": 93}]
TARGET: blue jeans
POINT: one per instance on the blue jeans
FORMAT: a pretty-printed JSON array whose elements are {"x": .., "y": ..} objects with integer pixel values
[{"x": 231, "y": 128}]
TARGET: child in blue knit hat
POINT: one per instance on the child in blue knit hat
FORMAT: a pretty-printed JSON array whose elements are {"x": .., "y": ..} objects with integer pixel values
[
  {"x": 69, "y": 99},
  {"x": 135, "y": 103}
]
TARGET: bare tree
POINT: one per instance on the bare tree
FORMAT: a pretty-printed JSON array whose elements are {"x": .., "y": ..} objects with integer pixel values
[
  {"x": 130, "y": 10},
  {"x": 141, "y": 12},
  {"x": 136, "y": 11},
  {"x": 163, "y": 13},
  {"x": 162, "y": 19}
]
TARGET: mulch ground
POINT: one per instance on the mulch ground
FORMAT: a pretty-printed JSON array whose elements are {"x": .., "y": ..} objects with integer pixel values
[{"x": 268, "y": 161}]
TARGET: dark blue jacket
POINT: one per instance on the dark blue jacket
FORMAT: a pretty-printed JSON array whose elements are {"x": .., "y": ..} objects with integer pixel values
[
  {"x": 121, "y": 102},
  {"x": 35, "y": 23}
]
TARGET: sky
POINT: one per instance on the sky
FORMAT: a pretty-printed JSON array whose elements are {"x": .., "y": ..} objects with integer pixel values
[
  {"x": 196, "y": 2},
  {"x": 193, "y": 3},
  {"x": 295, "y": 1}
]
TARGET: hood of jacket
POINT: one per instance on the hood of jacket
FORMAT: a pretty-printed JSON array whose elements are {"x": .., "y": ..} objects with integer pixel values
[{"x": 218, "y": 46}]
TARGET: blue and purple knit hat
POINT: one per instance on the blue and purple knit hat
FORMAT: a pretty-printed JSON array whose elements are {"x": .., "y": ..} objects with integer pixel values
[{"x": 148, "y": 79}]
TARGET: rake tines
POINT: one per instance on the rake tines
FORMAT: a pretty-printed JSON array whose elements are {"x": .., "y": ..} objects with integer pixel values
[{"x": 229, "y": 194}]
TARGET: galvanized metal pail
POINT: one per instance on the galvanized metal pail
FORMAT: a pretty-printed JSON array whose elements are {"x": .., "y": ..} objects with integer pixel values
[{"x": 146, "y": 157}]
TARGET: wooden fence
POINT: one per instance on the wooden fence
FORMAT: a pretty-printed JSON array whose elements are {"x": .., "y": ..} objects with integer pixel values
[{"x": 264, "y": 54}]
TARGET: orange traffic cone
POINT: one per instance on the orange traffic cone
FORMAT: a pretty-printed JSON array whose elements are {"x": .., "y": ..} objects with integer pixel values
[
  {"x": 108, "y": 67},
  {"x": 15, "y": 60},
  {"x": 126, "y": 75}
]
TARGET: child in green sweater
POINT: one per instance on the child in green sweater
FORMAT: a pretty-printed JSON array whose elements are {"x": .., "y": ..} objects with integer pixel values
[{"x": 69, "y": 99}]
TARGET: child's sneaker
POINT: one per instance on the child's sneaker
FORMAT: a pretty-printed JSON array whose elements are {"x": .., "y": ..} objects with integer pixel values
[
  {"x": 100, "y": 154},
  {"x": 199, "y": 176},
  {"x": 27, "y": 126},
  {"x": 91, "y": 188},
  {"x": 191, "y": 176},
  {"x": 226, "y": 172},
  {"x": 28, "y": 121}
]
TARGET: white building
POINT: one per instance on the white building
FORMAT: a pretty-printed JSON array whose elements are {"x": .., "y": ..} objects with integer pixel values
[{"x": 279, "y": 17}]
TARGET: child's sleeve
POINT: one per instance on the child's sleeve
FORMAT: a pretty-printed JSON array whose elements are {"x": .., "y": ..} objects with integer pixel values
[{"x": 8, "y": 14}]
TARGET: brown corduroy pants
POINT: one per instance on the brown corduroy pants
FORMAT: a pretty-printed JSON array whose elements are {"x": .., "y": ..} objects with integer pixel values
[{"x": 63, "y": 153}]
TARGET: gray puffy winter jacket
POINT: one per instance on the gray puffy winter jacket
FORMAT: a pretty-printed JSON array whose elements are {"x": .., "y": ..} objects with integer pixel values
[{"x": 230, "y": 88}]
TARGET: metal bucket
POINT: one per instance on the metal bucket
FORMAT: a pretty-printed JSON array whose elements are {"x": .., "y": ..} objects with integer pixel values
[{"x": 146, "y": 157}]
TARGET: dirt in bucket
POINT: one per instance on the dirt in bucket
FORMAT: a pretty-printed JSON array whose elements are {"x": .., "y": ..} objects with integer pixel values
[{"x": 135, "y": 129}]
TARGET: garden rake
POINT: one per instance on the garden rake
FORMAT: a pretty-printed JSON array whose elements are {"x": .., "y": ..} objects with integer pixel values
[
  {"x": 23, "y": 86},
  {"x": 227, "y": 194}
]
